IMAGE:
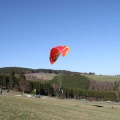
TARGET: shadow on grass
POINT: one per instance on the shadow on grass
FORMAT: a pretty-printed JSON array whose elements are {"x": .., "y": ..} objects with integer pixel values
[{"x": 98, "y": 105}]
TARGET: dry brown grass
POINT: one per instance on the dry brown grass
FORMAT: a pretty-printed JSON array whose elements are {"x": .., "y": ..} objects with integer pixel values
[{"x": 39, "y": 76}]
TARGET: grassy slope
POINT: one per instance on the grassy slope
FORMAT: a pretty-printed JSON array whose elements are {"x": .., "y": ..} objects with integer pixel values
[
  {"x": 103, "y": 78},
  {"x": 23, "y": 108},
  {"x": 39, "y": 76}
]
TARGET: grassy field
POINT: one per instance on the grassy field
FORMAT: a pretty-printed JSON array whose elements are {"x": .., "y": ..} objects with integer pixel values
[
  {"x": 103, "y": 78},
  {"x": 23, "y": 108}
]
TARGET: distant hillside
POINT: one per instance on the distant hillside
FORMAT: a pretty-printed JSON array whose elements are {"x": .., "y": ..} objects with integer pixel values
[
  {"x": 34, "y": 74},
  {"x": 38, "y": 74},
  {"x": 7, "y": 70},
  {"x": 107, "y": 78}
]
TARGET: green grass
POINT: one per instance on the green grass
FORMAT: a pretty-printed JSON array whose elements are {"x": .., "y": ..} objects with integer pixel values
[
  {"x": 103, "y": 78},
  {"x": 46, "y": 108}
]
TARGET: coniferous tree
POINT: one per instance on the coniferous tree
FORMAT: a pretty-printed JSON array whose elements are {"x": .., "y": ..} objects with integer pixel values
[
  {"x": 116, "y": 89},
  {"x": 1, "y": 80},
  {"x": 6, "y": 81},
  {"x": 21, "y": 76},
  {"x": 12, "y": 79}
]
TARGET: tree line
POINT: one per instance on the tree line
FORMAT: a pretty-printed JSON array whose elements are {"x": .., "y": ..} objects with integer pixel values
[
  {"x": 7, "y": 70},
  {"x": 69, "y": 86},
  {"x": 19, "y": 83},
  {"x": 10, "y": 81}
]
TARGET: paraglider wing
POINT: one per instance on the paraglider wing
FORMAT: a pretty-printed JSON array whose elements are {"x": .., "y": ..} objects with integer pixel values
[{"x": 56, "y": 51}]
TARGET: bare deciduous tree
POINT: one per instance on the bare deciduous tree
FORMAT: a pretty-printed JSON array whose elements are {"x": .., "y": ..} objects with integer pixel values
[{"x": 24, "y": 85}]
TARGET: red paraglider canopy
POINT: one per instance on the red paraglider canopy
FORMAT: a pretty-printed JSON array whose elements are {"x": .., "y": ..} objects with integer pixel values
[{"x": 56, "y": 51}]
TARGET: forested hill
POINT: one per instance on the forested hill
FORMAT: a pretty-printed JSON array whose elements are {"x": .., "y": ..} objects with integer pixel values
[{"x": 7, "y": 70}]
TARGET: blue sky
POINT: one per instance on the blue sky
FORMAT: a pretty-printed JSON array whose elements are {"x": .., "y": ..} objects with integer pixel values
[{"x": 91, "y": 28}]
